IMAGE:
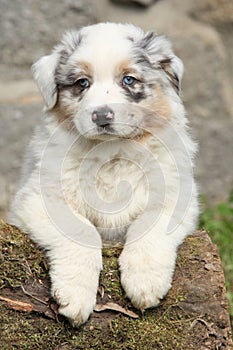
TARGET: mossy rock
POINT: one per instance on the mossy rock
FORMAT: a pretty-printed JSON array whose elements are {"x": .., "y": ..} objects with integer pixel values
[{"x": 194, "y": 314}]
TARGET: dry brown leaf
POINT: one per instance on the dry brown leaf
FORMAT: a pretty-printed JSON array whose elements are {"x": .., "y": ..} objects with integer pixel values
[
  {"x": 17, "y": 305},
  {"x": 115, "y": 307}
]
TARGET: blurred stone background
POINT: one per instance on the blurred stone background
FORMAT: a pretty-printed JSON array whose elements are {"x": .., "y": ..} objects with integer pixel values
[{"x": 202, "y": 35}]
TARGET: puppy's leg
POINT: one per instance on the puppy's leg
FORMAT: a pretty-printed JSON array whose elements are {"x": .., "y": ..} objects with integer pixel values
[
  {"x": 75, "y": 261},
  {"x": 74, "y": 272},
  {"x": 148, "y": 260}
]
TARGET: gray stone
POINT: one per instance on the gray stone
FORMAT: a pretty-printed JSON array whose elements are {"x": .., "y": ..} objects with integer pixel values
[
  {"x": 30, "y": 28},
  {"x": 17, "y": 122}
]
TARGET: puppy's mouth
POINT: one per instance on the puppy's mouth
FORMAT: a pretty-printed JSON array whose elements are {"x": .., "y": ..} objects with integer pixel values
[
  {"x": 105, "y": 130},
  {"x": 108, "y": 131}
]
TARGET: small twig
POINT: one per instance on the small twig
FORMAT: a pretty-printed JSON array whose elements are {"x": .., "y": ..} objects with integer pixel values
[
  {"x": 17, "y": 304},
  {"x": 208, "y": 326},
  {"x": 186, "y": 320},
  {"x": 32, "y": 296}
]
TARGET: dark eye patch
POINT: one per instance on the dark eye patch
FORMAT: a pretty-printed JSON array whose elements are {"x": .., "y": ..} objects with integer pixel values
[
  {"x": 76, "y": 86},
  {"x": 76, "y": 90},
  {"x": 135, "y": 92}
]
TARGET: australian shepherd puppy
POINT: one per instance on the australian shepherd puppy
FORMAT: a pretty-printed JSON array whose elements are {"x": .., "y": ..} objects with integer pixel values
[{"x": 110, "y": 162}]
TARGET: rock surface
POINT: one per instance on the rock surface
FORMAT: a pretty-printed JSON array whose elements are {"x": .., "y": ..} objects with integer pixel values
[
  {"x": 193, "y": 316},
  {"x": 29, "y": 29},
  {"x": 202, "y": 34}
]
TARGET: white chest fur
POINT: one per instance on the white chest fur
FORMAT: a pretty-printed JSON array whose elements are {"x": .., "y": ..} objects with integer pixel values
[{"x": 110, "y": 183}]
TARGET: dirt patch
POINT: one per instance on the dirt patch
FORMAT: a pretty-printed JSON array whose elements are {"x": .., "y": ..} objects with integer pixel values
[{"x": 194, "y": 315}]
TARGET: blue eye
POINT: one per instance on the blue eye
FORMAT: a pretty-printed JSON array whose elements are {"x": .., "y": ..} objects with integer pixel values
[
  {"x": 128, "y": 80},
  {"x": 83, "y": 83}
]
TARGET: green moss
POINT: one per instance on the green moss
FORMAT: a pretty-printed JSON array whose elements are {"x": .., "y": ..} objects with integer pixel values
[
  {"x": 20, "y": 260},
  {"x": 25, "y": 331},
  {"x": 166, "y": 327},
  {"x": 110, "y": 276},
  {"x": 156, "y": 329}
]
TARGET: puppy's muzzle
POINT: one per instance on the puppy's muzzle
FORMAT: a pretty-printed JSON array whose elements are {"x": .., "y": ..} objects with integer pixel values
[{"x": 103, "y": 116}]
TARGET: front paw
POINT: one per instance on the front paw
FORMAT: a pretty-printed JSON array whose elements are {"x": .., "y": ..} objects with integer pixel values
[
  {"x": 145, "y": 285},
  {"x": 75, "y": 304}
]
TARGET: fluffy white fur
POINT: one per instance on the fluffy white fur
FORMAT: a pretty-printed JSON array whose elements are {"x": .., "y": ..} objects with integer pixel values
[{"x": 130, "y": 182}]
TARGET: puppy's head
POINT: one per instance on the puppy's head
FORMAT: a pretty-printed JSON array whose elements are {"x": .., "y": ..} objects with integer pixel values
[{"x": 111, "y": 80}]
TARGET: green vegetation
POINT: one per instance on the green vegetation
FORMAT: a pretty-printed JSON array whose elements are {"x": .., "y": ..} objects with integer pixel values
[
  {"x": 218, "y": 222},
  {"x": 19, "y": 258}
]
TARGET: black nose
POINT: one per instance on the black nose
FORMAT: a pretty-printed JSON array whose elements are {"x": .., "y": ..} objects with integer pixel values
[{"x": 103, "y": 116}]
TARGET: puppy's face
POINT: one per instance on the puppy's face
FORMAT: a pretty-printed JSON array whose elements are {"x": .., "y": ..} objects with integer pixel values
[{"x": 111, "y": 80}]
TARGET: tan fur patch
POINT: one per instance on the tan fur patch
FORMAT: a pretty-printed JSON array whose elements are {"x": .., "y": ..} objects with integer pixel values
[
  {"x": 158, "y": 104},
  {"x": 157, "y": 114},
  {"x": 85, "y": 68},
  {"x": 143, "y": 138},
  {"x": 63, "y": 112},
  {"x": 125, "y": 67},
  {"x": 159, "y": 110}
]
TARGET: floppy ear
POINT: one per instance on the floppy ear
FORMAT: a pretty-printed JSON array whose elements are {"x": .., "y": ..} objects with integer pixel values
[
  {"x": 173, "y": 67},
  {"x": 43, "y": 72},
  {"x": 160, "y": 53}
]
